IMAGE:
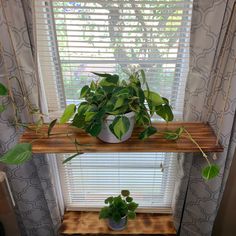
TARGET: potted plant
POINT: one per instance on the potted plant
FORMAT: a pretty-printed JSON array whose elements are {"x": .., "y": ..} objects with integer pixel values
[
  {"x": 108, "y": 97},
  {"x": 113, "y": 106},
  {"x": 119, "y": 209}
]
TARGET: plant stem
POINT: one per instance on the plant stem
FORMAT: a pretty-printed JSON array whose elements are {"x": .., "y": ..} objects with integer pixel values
[
  {"x": 66, "y": 134},
  {"x": 34, "y": 140},
  {"x": 198, "y": 146},
  {"x": 12, "y": 101},
  {"x": 26, "y": 99}
]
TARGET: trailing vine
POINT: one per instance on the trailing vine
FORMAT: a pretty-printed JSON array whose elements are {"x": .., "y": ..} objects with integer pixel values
[
  {"x": 22, "y": 152},
  {"x": 208, "y": 172}
]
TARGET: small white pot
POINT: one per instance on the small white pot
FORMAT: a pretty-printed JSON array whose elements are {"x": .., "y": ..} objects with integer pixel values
[{"x": 107, "y": 136}]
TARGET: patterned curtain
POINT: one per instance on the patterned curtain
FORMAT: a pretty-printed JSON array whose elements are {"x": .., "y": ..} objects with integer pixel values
[
  {"x": 36, "y": 206},
  {"x": 210, "y": 97}
]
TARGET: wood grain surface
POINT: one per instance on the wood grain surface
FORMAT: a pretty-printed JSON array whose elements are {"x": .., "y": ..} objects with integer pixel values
[
  {"x": 63, "y": 136},
  {"x": 88, "y": 223}
]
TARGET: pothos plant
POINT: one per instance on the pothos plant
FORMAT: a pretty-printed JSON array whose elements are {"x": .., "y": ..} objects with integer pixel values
[
  {"x": 119, "y": 207},
  {"x": 109, "y": 96},
  {"x": 114, "y": 96}
]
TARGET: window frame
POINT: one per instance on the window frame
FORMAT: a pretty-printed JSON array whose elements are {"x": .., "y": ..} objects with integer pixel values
[{"x": 59, "y": 77}]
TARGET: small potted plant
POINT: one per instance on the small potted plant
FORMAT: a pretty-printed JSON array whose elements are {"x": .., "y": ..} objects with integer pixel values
[
  {"x": 113, "y": 106},
  {"x": 119, "y": 209}
]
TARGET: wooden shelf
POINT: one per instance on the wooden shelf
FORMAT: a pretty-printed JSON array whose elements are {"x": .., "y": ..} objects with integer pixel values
[
  {"x": 88, "y": 223},
  {"x": 61, "y": 143}
]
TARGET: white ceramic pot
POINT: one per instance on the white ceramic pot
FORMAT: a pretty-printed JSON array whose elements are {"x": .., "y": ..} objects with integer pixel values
[{"x": 107, "y": 136}]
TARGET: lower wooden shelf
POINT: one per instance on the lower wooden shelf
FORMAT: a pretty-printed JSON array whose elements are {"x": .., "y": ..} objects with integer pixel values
[
  {"x": 60, "y": 142},
  {"x": 88, "y": 223}
]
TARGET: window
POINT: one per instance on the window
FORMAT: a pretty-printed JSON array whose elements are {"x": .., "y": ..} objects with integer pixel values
[
  {"x": 75, "y": 38},
  {"x": 90, "y": 179}
]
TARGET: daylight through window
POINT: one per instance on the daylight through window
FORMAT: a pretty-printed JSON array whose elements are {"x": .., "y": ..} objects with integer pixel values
[{"x": 75, "y": 38}]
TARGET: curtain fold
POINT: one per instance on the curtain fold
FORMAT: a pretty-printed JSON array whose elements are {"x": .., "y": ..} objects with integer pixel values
[
  {"x": 36, "y": 205},
  {"x": 210, "y": 97}
]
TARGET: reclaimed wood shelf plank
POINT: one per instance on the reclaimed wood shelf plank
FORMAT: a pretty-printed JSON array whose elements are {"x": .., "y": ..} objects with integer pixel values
[
  {"x": 88, "y": 223},
  {"x": 63, "y": 136}
]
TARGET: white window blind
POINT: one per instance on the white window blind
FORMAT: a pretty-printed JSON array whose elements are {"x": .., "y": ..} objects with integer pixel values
[
  {"x": 93, "y": 177},
  {"x": 75, "y": 38}
]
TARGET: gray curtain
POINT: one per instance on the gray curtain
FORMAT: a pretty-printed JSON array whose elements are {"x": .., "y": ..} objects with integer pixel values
[
  {"x": 36, "y": 206},
  {"x": 210, "y": 97}
]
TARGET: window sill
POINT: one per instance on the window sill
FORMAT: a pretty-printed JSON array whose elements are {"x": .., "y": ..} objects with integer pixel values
[{"x": 88, "y": 223}]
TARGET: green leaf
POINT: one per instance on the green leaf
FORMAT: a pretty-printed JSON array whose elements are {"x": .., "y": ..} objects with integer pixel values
[
  {"x": 71, "y": 157},
  {"x": 105, "y": 213},
  {"x": 134, "y": 107},
  {"x": 129, "y": 199},
  {"x": 179, "y": 131},
  {"x": 51, "y": 125},
  {"x": 153, "y": 98},
  {"x": 18, "y": 154},
  {"x": 166, "y": 101},
  {"x": 104, "y": 75},
  {"x": 147, "y": 132},
  {"x": 143, "y": 118},
  {"x": 109, "y": 200},
  {"x": 2, "y": 108},
  {"x": 109, "y": 80},
  {"x": 165, "y": 112},
  {"x": 124, "y": 83},
  {"x": 132, "y": 206},
  {"x": 89, "y": 116},
  {"x": 173, "y": 135},
  {"x": 143, "y": 76},
  {"x": 109, "y": 89},
  {"x": 137, "y": 92},
  {"x": 120, "y": 126},
  {"x": 68, "y": 113},
  {"x": 100, "y": 115},
  {"x": 121, "y": 110},
  {"x": 84, "y": 91},
  {"x": 119, "y": 103},
  {"x": 131, "y": 215},
  {"x": 125, "y": 193},
  {"x": 134, "y": 80},
  {"x": 122, "y": 92},
  {"x": 94, "y": 129},
  {"x": 3, "y": 90},
  {"x": 93, "y": 85},
  {"x": 79, "y": 118},
  {"x": 78, "y": 121},
  {"x": 118, "y": 201},
  {"x": 116, "y": 216},
  {"x": 83, "y": 107},
  {"x": 210, "y": 171}
]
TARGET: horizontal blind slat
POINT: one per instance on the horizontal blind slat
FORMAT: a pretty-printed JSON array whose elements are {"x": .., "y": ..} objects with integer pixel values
[
  {"x": 180, "y": 30},
  {"x": 70, "y": 20},
  {"x": 42, "y": 35},
  {"x": 114, "y": 1},
  {"x": 39, "y": 14}
]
